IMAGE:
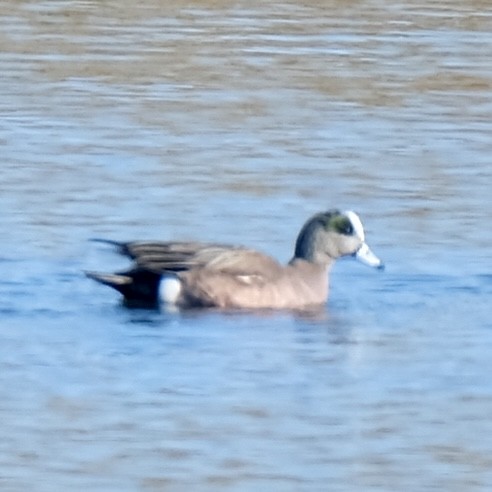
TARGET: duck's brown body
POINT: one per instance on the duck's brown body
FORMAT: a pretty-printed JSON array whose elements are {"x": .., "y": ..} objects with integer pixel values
[
  {"x": 299, "y": 284},
  {"x": 217, "y": 275}
]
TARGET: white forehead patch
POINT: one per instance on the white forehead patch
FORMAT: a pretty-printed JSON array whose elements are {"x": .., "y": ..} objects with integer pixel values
[{"x": 356, "y": 224}]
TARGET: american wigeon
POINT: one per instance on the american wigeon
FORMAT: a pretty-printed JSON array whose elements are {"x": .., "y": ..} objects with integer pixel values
[{"x": 193, "y": 274}]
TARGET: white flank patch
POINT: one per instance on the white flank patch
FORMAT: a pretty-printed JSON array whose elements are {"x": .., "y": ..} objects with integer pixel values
[
  {"x": 169, "y": 290},
  {"x": 356, "y": 224}
]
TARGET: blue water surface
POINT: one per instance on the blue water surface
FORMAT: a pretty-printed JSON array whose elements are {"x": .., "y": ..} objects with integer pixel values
[{"x": 231, "y": 122}]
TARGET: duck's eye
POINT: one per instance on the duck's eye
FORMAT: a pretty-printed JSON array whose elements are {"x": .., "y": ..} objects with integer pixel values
[
  {"x": 348, "y": 229},
  {"x": 343, "y": 226}
]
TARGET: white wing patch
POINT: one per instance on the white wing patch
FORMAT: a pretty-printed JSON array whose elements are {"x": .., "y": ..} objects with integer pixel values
[{"x": 249, "y": 279}]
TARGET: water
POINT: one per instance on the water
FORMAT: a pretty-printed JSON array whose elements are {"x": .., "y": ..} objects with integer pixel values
[{"x": 234, "y": 121}]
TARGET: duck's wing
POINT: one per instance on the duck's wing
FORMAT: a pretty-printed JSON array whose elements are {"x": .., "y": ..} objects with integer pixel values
[
  {"x": 244, "y": 263},
  {"x": 139, "y": 284},
  {"x": 152, "y": 259},
  {"x": 162, "y": 257}
]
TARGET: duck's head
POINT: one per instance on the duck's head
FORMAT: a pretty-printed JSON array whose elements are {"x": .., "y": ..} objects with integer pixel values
[{"x": 329, "y": 235}]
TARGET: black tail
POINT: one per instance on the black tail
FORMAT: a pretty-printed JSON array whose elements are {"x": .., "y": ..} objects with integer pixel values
[
  {"x": 119, "y": 246},
  {"x": 138, "y": 287}
]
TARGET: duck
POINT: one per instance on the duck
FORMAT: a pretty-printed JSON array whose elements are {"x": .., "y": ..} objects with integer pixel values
[{"x": 213, "y": 275}]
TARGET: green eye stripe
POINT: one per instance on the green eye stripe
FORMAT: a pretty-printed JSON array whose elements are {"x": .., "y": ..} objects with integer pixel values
[{"x": 341, "y": 224}]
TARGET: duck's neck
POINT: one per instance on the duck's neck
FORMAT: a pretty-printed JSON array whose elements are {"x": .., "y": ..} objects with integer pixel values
[
  {"x": 311, "y": 277},
  {"x": 307, "y": 250},
  {"x": 322, "y": 263}
]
